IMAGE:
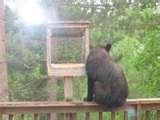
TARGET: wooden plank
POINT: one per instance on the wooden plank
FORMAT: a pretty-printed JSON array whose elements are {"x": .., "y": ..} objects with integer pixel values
[
  {"x": 69, "y": 26},
  {"x": 147, "y": 115},
  {"x": 35, "y": 116},
  {"x": 73, "y": 116},
  {"x": 70, "y": 22},
  {"x": 3, "y": 65},
  {"x": 70, "y": 107},
  {"x": 10, "y": 116},
  {"x": 71, "y": 65},
  {"x": 1, "y": 116},
  {"x": 87, "y": 117},
  {"x": 48, "y": 46},
  {"x": 67, "y": 116},
  {"x": 125, "y": 115},
  {"x": 22, "y": 117},
  {"x": 113, "y": 115},
  {"x": 100, "y": 116},
  {"x": 86, "y": 43},
  {"x": 48, "y": 116},
  {"x": 61, "y": 72},
  {"x": 158, "y": 114},
  {"x": 138, "y": 112},
  {"x": 68, "y": 89},
  {"x": 61, "y": 116}
]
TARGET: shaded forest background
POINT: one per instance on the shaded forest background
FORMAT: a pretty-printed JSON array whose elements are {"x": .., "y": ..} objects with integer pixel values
[{"x": 133, "y": 26}]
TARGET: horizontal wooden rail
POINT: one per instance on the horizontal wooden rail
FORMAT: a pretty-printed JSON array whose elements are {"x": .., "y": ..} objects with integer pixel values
[
  {"x": 62, "y": 107},
  {"x": 35, "y": 108}
]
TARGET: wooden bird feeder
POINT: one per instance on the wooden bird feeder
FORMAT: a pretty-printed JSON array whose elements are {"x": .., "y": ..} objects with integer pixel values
[{"x": 67, "y": 48}]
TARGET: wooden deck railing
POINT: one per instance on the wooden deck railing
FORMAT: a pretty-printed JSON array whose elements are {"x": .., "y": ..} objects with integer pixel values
[{"x": 36, "y": 108}]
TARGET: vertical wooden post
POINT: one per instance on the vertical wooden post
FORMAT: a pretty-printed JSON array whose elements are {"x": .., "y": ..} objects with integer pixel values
[
  {"x": 113, "y": 115},
  {"x": 138, "y": 112},
  {"x": 73, "y": 116},
  {"x": 158, "y": 114},
  {"x": 52, "y": 93},
  {"x": 22, "y": 117},
  {"x": 10, "y": 116},
  {"x": 68, "y": 93},
  {"x": 147, "y": 115},
  {"x": 3, "y": 65},
  {"x": 61, "y": 116},
  {"x": 125, "y": 115},
  {"x": 87, "y": 42},
  {"x": 1, "y": 116},
  {"x": 49, "y": 34},
  {"x": 68, "y": 89},
  {"x": 35, "y": 116},
  {"x": 87, "y": 117},
  {"x": 100, "y": 115},
  {"x": 48, "y": 116}
]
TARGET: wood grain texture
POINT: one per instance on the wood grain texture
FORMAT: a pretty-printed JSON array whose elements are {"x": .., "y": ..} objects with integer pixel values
[
  {"x": 72, "y": 107},
  {"x": 3, "y": 65}
]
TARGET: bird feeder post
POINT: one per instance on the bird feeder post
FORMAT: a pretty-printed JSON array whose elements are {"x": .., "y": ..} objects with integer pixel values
[
  {"x": 68, "y": 88},
  {"x": 63, "y": 60}
]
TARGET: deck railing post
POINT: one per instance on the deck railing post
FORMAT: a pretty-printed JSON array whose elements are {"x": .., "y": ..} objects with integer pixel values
[
  {"x": 36, "y": 116},
  {"x": 100, "y": 115},
  {"x": 87, "y": 117},
  {"x": 10, "y": 116},
  {"x": 1, "y": 116},
  {"x": 138, "y": 112},
  {"x": 113, "y": 115},
  {"x": 125, "y": 115},
  {"x": 158, "y": 114},
  {"x": 147, "y": 115},
  {"x": 68, "y": 93},
  {"x": 22, "y": 117},
  {"x": 48, "y": 116}
]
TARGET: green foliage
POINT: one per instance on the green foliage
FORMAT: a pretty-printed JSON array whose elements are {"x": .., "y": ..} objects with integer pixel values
[
  {"x": 25, "y": 52},
  {"x": 148, "y": 63}
]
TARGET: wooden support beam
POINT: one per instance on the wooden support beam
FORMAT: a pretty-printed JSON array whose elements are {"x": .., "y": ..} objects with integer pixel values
[
  {"x": 3, "y": 65},
  {"x": 147, "y": 115},
  {"x": 1, "y": 116},
  {"x": 48, "y": 116},
  {"x": 100, "y": 115},
  {"x": 68, "y": 89},
  {"x": 113, "y": 115},
  {"x": 87, "y": 117},
  {"x": 86, "y": 43},
  {"x": 11, "y": 116},
  {"x": 73, "y": 116},
  {"x": 158, "y": 114},
  {"x": 35, "y": 116},
  {"x": 138, "y": 112},
  {"x": 68, "y": 92},
  {"x": 22, "y": 117},
  {"x": 125, "y": 115}
]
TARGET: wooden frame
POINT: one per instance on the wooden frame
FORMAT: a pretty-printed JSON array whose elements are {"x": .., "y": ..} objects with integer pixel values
[{"x": 67, "y": 69}]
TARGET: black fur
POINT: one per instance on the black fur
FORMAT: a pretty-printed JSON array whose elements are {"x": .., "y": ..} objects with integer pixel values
[{"x": 107, "y": 84}]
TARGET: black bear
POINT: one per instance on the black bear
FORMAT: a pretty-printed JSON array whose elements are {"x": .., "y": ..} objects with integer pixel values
[{"x": 107, "y": 84}]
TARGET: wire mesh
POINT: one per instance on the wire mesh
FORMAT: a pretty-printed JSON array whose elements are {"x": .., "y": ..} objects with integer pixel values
[{"x": 67, "y": 46}]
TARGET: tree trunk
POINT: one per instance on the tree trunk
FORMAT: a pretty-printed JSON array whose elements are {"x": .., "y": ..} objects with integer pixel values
[{"x": 3, "y": 65}]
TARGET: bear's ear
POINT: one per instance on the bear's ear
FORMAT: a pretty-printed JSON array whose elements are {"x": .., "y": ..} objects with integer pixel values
[{"x": 108, "y": 47}]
